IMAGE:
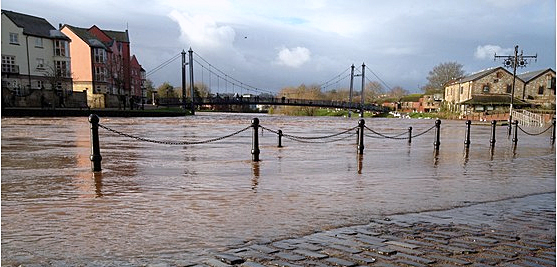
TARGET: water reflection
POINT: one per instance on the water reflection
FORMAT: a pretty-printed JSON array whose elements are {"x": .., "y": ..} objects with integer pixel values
[{"x": 255, "y": 178}]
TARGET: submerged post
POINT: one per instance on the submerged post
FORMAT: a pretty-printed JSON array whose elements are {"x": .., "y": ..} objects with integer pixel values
[
  {"x": 553, "y": 133},
  {"x": 255, "y": 140},
  {"x": 409, "y": 134},
  {"x": 492, "y": 140},
  {"x": 279, "y": 138},
  {"x": 437, "y": 141},
  {"x": 361, "y": 124},
  {"x": 95, "y": 147},
  {"x": 515, "y": 132},
  {"x": 467, "y": 135}
]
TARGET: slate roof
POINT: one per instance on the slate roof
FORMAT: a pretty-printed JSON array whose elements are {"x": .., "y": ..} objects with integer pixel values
[
  {"x": 88, "y": 38},
  {"x": 492, "y": 100},
  {"x": 34, "y": 26},
  {"x": 480, "y": 74},
  {"x": 528, "y": 76},
  {"x": 118, "y": 36}
]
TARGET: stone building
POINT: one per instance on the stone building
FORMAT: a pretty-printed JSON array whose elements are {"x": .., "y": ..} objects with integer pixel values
[
  {"x": 539, "y": 87},
  {"x": 483, "y": 91}
]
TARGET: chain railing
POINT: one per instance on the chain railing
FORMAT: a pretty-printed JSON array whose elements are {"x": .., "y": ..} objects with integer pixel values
[
  {"x": 182, "y": 143},
  {"x": 336, "y": 137}
]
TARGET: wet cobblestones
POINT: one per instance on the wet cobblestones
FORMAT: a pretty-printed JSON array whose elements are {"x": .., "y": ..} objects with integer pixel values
[{"x": 514, "y": 232}]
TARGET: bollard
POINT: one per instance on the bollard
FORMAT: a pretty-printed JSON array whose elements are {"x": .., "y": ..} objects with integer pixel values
[
  {"x": 553, "y": 133},
  {"x": 357, "y": 135},
  {"x": 95, "y": 147},
  {"x": 255, "y": 140},
  {"x": 515, "y": 132},
  {"x": 437, "y": 142},
  {"x": 467, "y": 135},
  {"x": 492, "y": 140},
  {"x": 409, "y": 134},
  {"x": 361, "y": 124},
  {"x": 279, "y": 138}
]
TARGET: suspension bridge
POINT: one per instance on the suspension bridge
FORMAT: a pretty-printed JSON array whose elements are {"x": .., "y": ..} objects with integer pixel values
[{"x": 231, "y": 91}]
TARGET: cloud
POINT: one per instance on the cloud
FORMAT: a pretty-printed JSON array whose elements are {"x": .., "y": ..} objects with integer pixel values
[
  {"x": 488, "y": 51},
  {"x": 202, "y": 31},
  {"x": 294, "y": 57}
]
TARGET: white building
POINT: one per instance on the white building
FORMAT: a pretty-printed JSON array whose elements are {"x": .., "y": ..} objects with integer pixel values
[{"x": 35, "y": 56}]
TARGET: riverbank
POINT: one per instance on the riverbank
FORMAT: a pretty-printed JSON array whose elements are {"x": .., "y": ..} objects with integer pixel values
[
  {"x": 76, "y": 112},
  {"x": 513, "y": 232}
]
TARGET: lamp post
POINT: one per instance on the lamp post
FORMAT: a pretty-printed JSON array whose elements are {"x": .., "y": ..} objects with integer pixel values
[{"x": 514, "y": 61}]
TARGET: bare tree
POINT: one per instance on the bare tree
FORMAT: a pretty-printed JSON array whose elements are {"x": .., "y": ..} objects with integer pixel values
[
  {"x": 441, "y": 75},
  {"x": 398, "y": 92}
]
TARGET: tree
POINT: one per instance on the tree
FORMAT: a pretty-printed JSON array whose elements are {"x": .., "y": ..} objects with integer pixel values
[
  {"x": 441, "y": 74},
  {"x": 166, "y": 91},
  {"x": 149, "y": 88},
  {"x": 373, "y": 91},
  {"x": 398, "y": 92}
]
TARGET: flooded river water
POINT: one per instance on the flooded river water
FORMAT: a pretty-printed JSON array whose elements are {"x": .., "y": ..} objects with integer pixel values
[{"x": 169, "y": 203}]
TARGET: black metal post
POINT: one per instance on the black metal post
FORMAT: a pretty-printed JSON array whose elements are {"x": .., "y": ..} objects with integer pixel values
[
  {"x": 515, "y": 132},
  {"x": 255, "y": 140},
  {"x": 190, "y": 54},
  {"x": 553, "y": 132},
  {"x": 95, "y": 147},
  {"x": 184, "y": 79},
  {"x": 363, "y": 87},
  {"x": 409, "y": 134},
  {"x": 467, "y": 135},
  {"x": 437, "y": 142},
  {"x": 279, "y": 138},
  {"x": 492, "y": 140},
  {"x": 361, "y": 124}
]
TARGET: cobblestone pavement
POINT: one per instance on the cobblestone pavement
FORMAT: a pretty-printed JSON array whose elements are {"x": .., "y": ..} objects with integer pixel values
[{"x": 514, "y": 232}]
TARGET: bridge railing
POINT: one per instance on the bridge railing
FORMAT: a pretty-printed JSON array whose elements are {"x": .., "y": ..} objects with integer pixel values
[
  {"x": 360, "y": 132},
  {"x": 254, "y": 100}
]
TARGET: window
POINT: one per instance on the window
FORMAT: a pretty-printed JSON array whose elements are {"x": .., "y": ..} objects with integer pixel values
[
  {"x": 485, "y": 89},
  {"x": 100, "y": 55},
  {"x": 100, "y": 74},
  {"x": 461, "y": 89},
  {"x": 540, "y": 90},
  {"x": 14, "y": 38},
  {"x": 60, "y": 48},
  {"x": 550, "y": 82},
  {"x": 499, "y": 75},
  {"x": 62, "y": 69},
  {"x": 40, "y": 63},
  {"x": 8, "y": 64},
  {"x": 40, "y": 84},
  {"x": 509, "y": 88},
  {"x": 39, "y": 42}
]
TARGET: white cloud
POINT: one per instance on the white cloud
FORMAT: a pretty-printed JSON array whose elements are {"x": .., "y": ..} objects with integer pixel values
[
  {"x": 294, "y": 57},
  {"x": 488, "y": 51},
  {"x": 203, "y": 31}
]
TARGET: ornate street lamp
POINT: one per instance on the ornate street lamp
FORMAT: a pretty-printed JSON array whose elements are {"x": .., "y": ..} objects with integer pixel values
[{"x": 514, "y": 61}]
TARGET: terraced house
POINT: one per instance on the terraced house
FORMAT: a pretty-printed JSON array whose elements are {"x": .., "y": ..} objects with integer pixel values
[
  {"x": 103, "y": 66},
  {"x": 36, "y": 63}
]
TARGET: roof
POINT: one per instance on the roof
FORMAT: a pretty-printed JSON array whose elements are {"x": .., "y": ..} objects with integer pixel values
[
  {"x": 88, "y": 38},
  {"x": 480, "y": 74},
  {"x": 492, "y": 100},
  {"x": 34, "y": 26},
  {"x": 118, "y": 36},
  {"x": 528, "y": 76}
]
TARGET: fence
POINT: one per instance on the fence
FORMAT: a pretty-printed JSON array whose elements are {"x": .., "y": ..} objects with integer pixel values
[
  {"x": 526, "y": 118},
  {"x": 359, "y": 131}
]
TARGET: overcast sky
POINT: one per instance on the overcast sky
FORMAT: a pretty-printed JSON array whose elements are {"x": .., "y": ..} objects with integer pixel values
[{"x": 274, "y": 44}]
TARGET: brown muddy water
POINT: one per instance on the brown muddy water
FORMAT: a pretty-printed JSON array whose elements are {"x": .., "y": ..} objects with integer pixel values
[{"x": 158, "y": 203}]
